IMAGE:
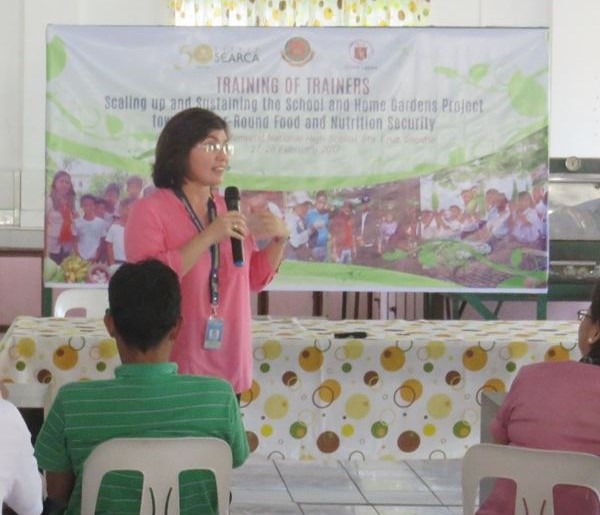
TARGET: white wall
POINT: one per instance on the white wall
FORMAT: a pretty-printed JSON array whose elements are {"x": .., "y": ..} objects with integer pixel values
[
  {"x": 575, "y": 93},
  {"x": 492, "y": 13}
]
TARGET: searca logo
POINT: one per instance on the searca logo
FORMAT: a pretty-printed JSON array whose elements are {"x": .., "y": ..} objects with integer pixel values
[{"x": 204, "y": 54}]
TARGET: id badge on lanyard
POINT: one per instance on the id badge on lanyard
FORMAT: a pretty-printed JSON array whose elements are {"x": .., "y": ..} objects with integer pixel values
[{"x": 213, "y": 336}]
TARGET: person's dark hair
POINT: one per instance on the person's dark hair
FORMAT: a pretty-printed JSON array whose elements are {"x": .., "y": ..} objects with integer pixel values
[
  {"x": 87, "y": 196},
  {"x": 595, "y": 306},
  {"x": 135, "y": 179},
  {"x": 178, "y": 137},
  {"x": 145, "y": 302},
  {"x": 113, "y": 187},
  {"x": 593, "y": 355}
]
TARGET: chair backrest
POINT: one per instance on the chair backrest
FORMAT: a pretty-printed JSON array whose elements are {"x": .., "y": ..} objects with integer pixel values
[
  {"x": 160, "y": 460},
  {"x": 534, "y": 471},
  {"x": 93, "y": 301}
]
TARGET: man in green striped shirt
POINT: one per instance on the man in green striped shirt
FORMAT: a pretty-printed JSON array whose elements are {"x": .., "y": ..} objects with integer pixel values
[{"x": 146, "y": 399}]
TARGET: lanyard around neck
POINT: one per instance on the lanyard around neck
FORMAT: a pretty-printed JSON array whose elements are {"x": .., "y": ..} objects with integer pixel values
[{"x": 213, "y": 278}]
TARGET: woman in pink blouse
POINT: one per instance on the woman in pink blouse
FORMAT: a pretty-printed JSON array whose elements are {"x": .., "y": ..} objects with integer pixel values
[
  {"x": 186, "y": 224},
  {"x": 554, "y": 405}
]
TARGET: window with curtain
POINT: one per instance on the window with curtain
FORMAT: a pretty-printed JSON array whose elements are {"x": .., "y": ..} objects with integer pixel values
[{"x": 294, "y": 13}]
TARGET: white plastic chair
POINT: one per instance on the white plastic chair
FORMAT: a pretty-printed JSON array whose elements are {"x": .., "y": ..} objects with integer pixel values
[
  {"x": 160, "y": 460},
  {"x": 534, "y": 471},
  {"x": 93, "y": 301}
]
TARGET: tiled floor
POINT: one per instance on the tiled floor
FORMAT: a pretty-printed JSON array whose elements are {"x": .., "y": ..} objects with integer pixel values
[{"x": 418, "y": 487}]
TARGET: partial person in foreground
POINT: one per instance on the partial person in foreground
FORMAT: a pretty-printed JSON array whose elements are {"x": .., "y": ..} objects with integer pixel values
[
  {"x": 554, "y": 405},
  {"x": 186, "y": 225},
  {"x": 20, "y": 481},
  {"x": 146, "y": 399}
]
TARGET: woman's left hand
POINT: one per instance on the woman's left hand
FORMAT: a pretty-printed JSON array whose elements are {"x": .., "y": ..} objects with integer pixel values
[{"x": 265, "y": 225}]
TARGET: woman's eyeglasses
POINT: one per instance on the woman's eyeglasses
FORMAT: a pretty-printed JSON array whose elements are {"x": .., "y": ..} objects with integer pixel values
[
  {"x": 217, "y": 148},
  {"x": 582, "y": 313}
]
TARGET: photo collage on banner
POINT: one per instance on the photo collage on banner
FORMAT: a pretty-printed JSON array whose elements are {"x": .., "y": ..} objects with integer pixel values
[{"x": 402, "y": 159}]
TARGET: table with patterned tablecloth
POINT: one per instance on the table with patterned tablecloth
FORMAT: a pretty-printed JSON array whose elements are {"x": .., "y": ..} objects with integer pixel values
[
  {"x": 56, "y": 351},
  {"x": 410, "y": 389}
]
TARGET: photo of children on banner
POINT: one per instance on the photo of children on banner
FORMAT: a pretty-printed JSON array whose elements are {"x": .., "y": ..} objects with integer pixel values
[
  {"x": 90, "y": 230},
  {"x": 112, "y": 195},
  {"x": 318, "y": 218},
  {"x": 295, "y": 218},
  {"x": 343, "y": 243},
  {"x": 385, "y": 226},
  {"x": 366, "y": 229}
]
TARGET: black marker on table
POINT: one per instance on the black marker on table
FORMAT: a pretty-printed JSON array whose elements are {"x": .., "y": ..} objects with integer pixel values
[{"x": 351, "y": 334}]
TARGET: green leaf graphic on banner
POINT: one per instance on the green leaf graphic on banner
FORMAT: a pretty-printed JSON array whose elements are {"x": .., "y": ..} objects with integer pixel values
[
  {"x": 145, "y": 155},
  {"x": 448, "y": 72},
  {"x": 526, "y": 95},
  {"x": 57, "y": 58},
  {"x": 396, "y": 255},
  {"x": 95, "y": 155},
  {"x": 331, "y": 274},
  {"x": 516, "y": 257},
  {"x": 428, "y": 258},
  {"x": 65, "y": 112},
  {"x": 478, "y": 72},
  {"x": 457, "y": 156},
  {"x": 114, "y": 124},
  {"x": 91, "y": 128}
]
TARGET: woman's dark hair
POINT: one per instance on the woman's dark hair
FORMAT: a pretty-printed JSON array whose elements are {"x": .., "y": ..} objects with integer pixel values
[
  {"x": 594, "y": 314},
  {"x": 145, "y": 302},
  {"x": 595, "y": 306},
  {"x": 178, "y": 137}
]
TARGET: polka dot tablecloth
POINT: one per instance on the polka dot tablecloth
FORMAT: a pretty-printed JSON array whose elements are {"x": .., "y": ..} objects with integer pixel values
[
  {"x": 407, "y": 390},
  {"x": 56, "y": 351}
]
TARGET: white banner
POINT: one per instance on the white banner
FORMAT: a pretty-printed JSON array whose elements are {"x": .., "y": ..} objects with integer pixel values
[{"x": 420, "y": 155}]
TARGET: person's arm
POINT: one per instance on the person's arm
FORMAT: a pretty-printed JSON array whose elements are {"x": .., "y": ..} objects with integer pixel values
[
  {"x": 145, "y": 236},
  {"x": 59, "y": 486},
  {"x": 100, "y": 250},
  {"x": 271, "y": 226},
  {"x": 110, "y": 254},
  {"x": 24, "y": 492},
  {"x": 218, "y": 230},
  {"x": 501, "y": 424},
  {"x": 265, "y": 263}
]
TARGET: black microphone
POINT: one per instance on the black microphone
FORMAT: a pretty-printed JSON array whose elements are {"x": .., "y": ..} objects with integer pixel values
[{"x": 232, "y": 200}]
